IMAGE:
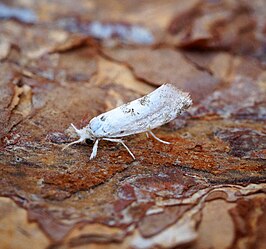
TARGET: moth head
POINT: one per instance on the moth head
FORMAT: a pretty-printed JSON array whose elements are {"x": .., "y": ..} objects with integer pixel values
[{"x": 83, "y": 134}]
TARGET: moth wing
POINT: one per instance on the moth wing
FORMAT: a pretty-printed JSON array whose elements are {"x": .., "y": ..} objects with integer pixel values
[{"x": 146, "y": 113}]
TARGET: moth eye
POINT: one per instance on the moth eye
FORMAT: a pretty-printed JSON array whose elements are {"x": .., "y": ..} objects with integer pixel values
[{"x": 88, "y": 141}]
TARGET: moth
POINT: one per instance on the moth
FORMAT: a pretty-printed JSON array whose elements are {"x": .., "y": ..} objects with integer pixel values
[{"x": 141, "y": 115}]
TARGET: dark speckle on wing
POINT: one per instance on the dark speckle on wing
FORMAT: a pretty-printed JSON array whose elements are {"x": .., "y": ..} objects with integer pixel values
[
  {"x": 103, "y": 118},
  {"x": 125, "y": 109},
  {"x": 144, "y": 100}
]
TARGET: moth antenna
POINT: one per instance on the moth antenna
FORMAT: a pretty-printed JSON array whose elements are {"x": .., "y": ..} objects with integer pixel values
[
  {"x": 75, "y": 142},
  {"x": 75, "y": 128}
]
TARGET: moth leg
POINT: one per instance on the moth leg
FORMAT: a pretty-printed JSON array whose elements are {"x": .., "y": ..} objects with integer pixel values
[
  {"x": 158, "y": 139},
  {"x": 147, "y": 134},
  {"x": 94, "y": 149},
  {"x": 120, "y": 141}
]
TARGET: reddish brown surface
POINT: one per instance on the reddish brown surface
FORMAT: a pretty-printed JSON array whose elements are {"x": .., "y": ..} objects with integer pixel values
[{"x": 204, "y": 190}]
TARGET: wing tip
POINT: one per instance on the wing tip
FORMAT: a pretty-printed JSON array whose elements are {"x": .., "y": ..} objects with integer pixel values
[{"x": 186, "y": 98}]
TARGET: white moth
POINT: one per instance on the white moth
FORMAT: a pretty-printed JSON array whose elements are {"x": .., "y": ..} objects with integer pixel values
[{"x": 141, "y": 115}]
